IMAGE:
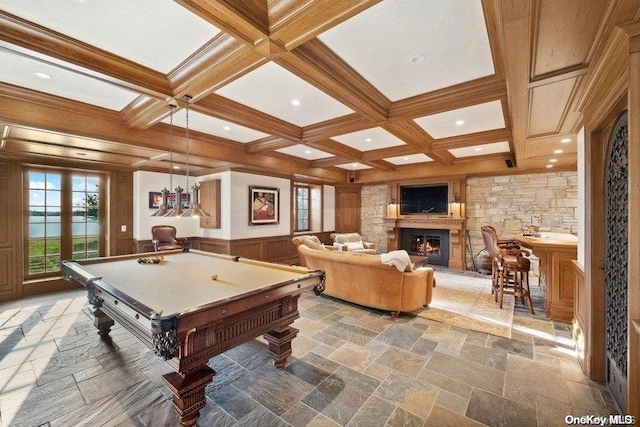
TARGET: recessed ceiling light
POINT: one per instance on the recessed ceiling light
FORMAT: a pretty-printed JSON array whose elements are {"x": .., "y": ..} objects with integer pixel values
[
  {"x": 553, "y": 160},
  {"x": 549, "y": 166},
  {"x": 295, "y": 102},
  {"x": 459, "y": 122},
  {"x": 354, "y": 165},
  {"x": 558, "y": 151},
  {"x": 478, "y": 149},
  {"x": 367, "y": 140},
  {"x": 418, "y": 59},
  {"x": 565, "y": 140},
  {"x": 176, "y": 167},
  {"x": 226, "y": 127},
  {"x": 43, "y": 75},
  {"x": 405, "y": 158},
  {"x": 307, "y": 151}
]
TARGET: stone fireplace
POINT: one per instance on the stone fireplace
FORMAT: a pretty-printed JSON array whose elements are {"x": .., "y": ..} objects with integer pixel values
[
  {"x": 431, "y": 243},
  {"x": 418, "y": 234}
]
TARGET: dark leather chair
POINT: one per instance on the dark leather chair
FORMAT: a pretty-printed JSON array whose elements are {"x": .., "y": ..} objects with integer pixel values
[
  {"x": 164, "y": 238},
  {"x": 510, "y": 268}
]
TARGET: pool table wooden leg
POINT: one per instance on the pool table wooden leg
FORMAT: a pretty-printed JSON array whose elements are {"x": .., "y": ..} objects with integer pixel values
[
  {"x": 280, "y": 344},
  {"x": 188, "y": 393},
  {"x": 102, "y": 321}
]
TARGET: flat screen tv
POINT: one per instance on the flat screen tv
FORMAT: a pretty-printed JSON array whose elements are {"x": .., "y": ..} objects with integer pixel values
[{"x": 424, "y": 199}]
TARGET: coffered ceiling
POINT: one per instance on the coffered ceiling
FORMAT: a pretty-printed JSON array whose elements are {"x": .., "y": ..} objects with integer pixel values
[{"x": 392, "y": 89}]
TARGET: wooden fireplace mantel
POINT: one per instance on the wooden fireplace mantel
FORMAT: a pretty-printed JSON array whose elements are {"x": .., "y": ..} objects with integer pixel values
[{"x": 455, "y": 225}]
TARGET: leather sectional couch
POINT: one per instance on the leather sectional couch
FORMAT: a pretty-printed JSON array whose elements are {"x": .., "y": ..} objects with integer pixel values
[{"x": 363, "y": 279}]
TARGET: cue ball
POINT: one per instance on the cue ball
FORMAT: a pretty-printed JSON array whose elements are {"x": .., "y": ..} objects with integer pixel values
[{"x": 214, "y": 276}]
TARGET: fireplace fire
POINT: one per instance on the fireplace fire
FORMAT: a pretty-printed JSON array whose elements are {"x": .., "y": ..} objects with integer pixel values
[
  {"x": 431, "y": 243},
  {"x": 425, "y": 245}
]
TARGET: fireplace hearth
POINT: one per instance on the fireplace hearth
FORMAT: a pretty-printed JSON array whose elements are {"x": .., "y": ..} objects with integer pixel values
[{"x": 433, "y": 244}]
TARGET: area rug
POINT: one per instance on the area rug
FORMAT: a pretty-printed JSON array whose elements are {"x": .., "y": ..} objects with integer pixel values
[{"x": 465, "y": 300}]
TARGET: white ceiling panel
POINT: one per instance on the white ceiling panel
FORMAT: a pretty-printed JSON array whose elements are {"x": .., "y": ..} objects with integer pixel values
[
  {"x": 431, "y": 44},
  {"x": 476, "y": 118},
  {"x": 481, "y": 150},
  {"x": 157, "y": 34},
  {"x": 304, "y": 152},
  {"x": 272, "y": 90},
  {"x": 369, "y": 139},
  {"x": 213, "y": 126},
  {"x": 353, "y": 166},
  {"x": 410, "y": 159},
  {"x": 20, "y": 70}
]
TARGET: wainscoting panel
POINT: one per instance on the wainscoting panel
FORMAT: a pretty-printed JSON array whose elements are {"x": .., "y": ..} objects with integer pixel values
[
  {"x": 7, "y": 265},
  {"x": 278, "y": 249}
]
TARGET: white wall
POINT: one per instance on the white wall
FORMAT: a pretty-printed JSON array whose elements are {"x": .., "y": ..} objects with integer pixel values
[
  {"x": 239, "y": 195},
  {"x": 582, "y": 200},
  {"x": 145, "y": 182},
  {"x": 234, "y": 209},
  {"x": 329, "y": 219}
]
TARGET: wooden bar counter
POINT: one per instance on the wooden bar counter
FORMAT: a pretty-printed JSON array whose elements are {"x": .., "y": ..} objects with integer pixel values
[{"x": 555, "y": 251}]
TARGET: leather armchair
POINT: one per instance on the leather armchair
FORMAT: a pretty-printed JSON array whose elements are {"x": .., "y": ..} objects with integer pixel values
[{"x": 164, "y": 239}]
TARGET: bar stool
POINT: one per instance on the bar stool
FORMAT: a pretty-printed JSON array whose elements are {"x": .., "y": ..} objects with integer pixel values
[{"x": 510, "y": 270}]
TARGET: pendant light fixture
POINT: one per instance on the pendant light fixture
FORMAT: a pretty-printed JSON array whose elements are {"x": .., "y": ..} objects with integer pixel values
[
  {"x": 164, "y": 207},
  {"x": 176, "y": 209},
  {"x": 194, "y": 206}
]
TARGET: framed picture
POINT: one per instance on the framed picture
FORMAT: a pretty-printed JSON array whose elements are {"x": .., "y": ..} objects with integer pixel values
[
  {"x": 155, "y": 199},
  {"x": 184, "y": 196},
  {"x": 264, "y": 205}
]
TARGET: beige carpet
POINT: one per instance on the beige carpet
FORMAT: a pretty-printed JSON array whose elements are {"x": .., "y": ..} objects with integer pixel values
[{"x": 466, "y": 301}]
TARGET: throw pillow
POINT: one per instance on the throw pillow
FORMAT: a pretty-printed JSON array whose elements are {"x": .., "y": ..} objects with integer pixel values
[{"x": 355, "y": 246}]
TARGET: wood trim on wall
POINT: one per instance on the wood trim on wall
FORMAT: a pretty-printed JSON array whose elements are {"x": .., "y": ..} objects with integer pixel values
[{"x": 278, "y": 249}]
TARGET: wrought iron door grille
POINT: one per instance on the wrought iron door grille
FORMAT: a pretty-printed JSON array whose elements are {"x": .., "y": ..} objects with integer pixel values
[{"x": 616, "y": 254}]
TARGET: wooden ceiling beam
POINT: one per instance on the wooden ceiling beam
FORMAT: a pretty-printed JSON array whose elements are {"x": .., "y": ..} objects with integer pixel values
[
  {"x": 269, "y": 143},
  {"x": 294, "y": 23},
  {"x": 329, "y": 162},
  {"x": 416, "y": 137},
  {"x": 219, "y": 62},
  {"x": 232, "y": 111},
  {"x": 242, "y": 19},
  {"x": 337, "y": 149},
  {"x": 395, "y": 151},
  {"x": 318, "y": 65},
  {"x": 380, "y": 164},
  {"x": 485, "y": 166},
  {"x": 469, "y": 140},
  {"x": 74, "y": 118},
  {"x": 462, "y": 95},
  {"x": 101, "y": 65},
  {"x": 338, "y": 126}
]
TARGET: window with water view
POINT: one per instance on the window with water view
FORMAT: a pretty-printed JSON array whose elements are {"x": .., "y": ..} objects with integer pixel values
[{"x": 64, "y": 219}]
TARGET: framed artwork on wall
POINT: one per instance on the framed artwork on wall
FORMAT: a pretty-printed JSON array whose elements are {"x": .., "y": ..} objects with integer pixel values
[
  {"x": 155, "y": 199},
  {"x": 264, "y": 205}
]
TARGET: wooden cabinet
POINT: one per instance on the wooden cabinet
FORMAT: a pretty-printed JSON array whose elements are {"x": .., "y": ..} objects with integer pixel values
[
  {"x": 210, "y": 202},
  {"x": 556, "y": 252}
]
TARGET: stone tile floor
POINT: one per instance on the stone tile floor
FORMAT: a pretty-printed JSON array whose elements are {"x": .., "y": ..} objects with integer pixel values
[{"x": 351, "y": 366}]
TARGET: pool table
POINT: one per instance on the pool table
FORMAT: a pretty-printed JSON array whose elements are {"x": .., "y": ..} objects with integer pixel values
[{"x": 191, "y": 306}]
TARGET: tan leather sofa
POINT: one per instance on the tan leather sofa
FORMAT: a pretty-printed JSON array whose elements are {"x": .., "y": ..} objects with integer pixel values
[{"x": 363, "y": 279}]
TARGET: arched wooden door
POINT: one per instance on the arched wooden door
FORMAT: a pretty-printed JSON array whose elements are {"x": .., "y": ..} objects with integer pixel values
[{"x": 616, "y": 265}]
